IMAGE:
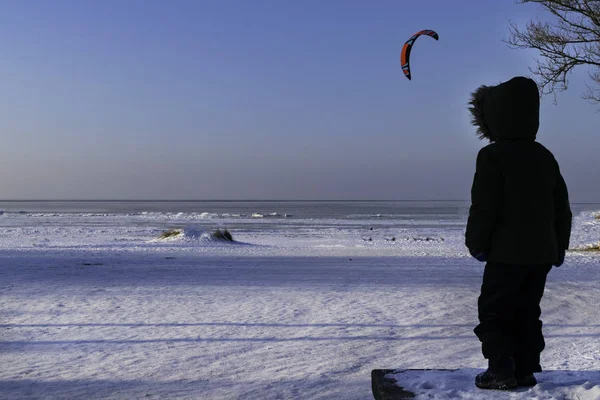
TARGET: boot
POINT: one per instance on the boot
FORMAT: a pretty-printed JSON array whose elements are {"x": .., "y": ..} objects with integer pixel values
[
  {"x": 524, "y": 372},
  {"x": 526, "y": 380},
  {"x": 499, "y": 375}
]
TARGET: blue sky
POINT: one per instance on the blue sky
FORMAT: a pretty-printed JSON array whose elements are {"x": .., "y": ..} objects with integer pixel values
[{"x": 262, "y": 99}]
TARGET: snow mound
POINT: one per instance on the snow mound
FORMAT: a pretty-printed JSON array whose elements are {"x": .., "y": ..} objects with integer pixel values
[
  {"x": 588, "y": 247},
  {"x": 192, "y": 233},
  {"x": 459, "y": 384}
]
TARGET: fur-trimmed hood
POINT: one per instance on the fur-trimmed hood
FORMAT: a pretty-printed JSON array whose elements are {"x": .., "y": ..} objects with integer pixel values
[{"x": 507, "y": 111}]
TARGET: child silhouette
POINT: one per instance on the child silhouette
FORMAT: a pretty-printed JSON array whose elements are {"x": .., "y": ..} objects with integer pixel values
[{"x": 520, "y": 224}]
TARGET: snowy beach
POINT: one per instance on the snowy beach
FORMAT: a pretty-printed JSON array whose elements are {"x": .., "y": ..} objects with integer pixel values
[{"x": 94, "y": 306}]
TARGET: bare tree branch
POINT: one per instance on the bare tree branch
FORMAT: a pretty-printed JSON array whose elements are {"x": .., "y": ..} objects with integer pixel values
[{"x": 572, "y": 41}]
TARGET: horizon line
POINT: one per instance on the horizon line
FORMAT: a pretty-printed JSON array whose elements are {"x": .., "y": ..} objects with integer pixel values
[
  {"x": 225, "y": 200},
  {"x": 245, "y": 200}
]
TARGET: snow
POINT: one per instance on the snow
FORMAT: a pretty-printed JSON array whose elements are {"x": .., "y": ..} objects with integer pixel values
[
  {"x": 90, "y": 309},
  {"x": 458, "y": 385}
]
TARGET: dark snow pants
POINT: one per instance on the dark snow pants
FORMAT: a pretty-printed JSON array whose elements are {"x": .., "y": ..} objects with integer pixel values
[{"x": 509, "y": 314}]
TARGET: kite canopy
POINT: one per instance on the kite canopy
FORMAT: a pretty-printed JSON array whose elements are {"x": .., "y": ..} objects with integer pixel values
[{"x": 405, "y": 54}]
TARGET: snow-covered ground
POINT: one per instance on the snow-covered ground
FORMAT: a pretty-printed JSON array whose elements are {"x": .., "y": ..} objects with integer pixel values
[{"x": 108, "y": 312}]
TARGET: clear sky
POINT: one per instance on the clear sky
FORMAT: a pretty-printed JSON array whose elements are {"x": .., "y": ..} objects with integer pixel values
[{"x": 262, "y": 99}]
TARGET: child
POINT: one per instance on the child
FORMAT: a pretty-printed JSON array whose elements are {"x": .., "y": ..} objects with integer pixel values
[{"x": 520, "y": 223}]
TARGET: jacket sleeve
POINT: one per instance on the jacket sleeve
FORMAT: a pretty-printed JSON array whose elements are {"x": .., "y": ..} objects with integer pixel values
[
  {"x": 563, "y": 214},
  {"x": 486, "y": 200}
]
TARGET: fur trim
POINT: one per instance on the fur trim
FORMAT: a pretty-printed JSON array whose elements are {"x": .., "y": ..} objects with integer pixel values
[{"x": 476, "y": 109}]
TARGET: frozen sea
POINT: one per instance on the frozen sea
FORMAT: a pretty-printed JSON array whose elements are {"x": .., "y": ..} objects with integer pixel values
[{"x": 308, "y": 300}]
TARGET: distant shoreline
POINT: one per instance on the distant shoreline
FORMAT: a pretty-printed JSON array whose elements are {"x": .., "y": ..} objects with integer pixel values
[
  {"x": 224, "y": 200},
  {"x": 241, "y": 201}
]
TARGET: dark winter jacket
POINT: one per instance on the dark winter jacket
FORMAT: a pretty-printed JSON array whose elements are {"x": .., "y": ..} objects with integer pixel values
[{"x": 520, "y": 211}]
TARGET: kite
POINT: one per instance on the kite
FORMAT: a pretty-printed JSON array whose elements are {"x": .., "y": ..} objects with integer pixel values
[{"x": 405, "y": 54}]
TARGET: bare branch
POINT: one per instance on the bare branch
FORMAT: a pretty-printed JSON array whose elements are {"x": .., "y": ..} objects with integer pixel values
[{"x": 572, "y": 41}]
